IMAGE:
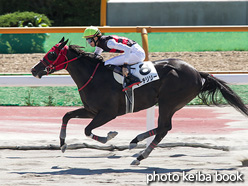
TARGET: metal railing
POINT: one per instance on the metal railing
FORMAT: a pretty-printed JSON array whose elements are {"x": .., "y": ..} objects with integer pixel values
[{"x": 138, "y": 29}]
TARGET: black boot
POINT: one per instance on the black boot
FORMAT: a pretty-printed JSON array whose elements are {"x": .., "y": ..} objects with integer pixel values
[{"x": 130, "y": 80}]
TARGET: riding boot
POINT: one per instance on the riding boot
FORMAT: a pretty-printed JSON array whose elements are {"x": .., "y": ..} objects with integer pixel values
[{"x": 130, "y": 80}]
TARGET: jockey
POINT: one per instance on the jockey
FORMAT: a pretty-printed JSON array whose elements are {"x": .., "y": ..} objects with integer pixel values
[{"x": 133, "y": 53}]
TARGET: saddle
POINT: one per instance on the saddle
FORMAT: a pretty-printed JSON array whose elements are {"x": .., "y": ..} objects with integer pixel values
[{"x": 146, "y": 72}]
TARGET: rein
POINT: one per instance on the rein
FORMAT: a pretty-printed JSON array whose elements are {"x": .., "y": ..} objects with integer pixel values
[{"x": 91, "y": 77}]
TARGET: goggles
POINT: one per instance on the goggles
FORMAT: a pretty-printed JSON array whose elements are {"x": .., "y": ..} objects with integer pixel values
[{"x": 89, "y": 40}]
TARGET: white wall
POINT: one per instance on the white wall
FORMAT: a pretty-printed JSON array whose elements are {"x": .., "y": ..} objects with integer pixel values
[{"x": 177, "y": 13}]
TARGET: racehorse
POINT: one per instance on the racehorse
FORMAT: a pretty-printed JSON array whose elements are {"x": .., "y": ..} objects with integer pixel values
[{"x": 104, "y": 100}]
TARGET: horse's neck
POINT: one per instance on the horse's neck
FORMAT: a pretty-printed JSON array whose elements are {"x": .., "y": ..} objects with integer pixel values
[{"x": 81, "y": 70}]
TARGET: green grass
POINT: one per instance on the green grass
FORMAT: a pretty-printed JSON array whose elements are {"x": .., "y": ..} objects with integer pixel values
[
  {"x": 40, "y": 96},
  {"x": 199, "y": 41},
  {"x": 171, "y": 42},
  {"x": 68, "y": 96}
]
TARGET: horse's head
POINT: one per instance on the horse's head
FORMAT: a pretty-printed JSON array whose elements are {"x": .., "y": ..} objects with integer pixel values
[{"x": 53, "y": 61}]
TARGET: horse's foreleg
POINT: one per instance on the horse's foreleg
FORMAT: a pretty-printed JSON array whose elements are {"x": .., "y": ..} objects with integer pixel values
[
  {"x": 110, "y": 136},
  {"x": 141, "y": 137},
  {"x": 149, "y": 149},
  {"x": 79, "y": 113},
  {"x": 100, "y": 119}
]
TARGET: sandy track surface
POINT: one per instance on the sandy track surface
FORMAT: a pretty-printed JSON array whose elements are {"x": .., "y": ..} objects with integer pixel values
[
  {"x": 87, "y": 166},
  {"x": 202, "y": 61}
]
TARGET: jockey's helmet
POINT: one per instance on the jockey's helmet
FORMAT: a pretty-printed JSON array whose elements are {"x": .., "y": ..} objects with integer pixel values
[{"x": 91, "y": 32}]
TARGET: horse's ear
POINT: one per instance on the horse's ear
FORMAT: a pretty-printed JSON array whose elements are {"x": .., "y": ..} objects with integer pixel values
[
  {"x": 63, "y": 44},
  {"x": 62, "y": 40}
]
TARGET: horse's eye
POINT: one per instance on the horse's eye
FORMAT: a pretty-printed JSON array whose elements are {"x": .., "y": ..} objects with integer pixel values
[{"x": 52, "y": 56}]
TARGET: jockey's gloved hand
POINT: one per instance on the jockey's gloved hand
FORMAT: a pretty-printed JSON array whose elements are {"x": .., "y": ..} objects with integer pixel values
[
  {"x": 97, "y": 56},
  {"x": 125, "y": 70}
]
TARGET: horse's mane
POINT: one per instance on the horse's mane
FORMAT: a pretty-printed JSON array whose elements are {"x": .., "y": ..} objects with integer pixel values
[{"x": 77, "y": 49}]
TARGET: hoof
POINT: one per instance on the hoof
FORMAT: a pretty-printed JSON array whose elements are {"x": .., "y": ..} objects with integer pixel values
[
  {"x": 111, "y": 135},
  {"x": 132, "y": 145},
  {"x": 135, "y": 162},
  {"x": 63, "y": 148}
]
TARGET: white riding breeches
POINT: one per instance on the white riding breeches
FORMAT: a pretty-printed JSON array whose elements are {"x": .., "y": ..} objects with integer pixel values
[{"x": 137, "y": 54}]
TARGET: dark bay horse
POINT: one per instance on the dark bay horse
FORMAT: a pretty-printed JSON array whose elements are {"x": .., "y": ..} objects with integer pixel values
[{"x": 104, "y": 100}]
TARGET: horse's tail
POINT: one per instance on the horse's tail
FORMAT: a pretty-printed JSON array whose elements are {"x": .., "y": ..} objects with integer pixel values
[{"x": 214, "y": 85}]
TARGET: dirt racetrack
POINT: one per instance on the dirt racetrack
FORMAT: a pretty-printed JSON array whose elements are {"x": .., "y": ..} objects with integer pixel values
[
  {"x": 203, "y": 61},
  {"x": 207, "y": 146}
]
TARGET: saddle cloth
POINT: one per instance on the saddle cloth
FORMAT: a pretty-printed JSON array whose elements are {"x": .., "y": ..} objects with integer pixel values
[{"x": 146, "y": 72}]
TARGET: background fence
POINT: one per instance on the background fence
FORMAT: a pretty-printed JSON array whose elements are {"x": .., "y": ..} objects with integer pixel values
[{"x": 143, "y": 30}]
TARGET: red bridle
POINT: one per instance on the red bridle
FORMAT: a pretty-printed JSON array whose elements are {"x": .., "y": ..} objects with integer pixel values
[{"x": 61, "y": 61}]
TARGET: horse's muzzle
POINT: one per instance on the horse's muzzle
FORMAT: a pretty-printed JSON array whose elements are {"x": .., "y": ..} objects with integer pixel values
[
  {"x": 33, "y": 71},
  {"x": 38, "y": 74}
]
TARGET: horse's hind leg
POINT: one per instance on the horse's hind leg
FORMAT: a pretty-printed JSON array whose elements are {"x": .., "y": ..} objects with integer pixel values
[
  {"x": 149, "y": 149},
  {"x": 141, "y": 137},
  {"x": 164, "y": 125}
]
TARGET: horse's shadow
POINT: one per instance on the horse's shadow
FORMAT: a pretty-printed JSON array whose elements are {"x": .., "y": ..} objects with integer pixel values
[
  {"x": 88, "y": 172},
  {"x": 56, "y": 170}
]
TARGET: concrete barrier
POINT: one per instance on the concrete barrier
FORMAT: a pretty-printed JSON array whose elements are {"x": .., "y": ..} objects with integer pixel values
[
  {"x": 177, "y": 13},
  {"x": 66, "y": 80},
  {"x": 29, "y": 80}
]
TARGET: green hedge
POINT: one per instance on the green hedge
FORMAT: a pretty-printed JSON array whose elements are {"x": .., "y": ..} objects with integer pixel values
[
  {"x": 23, "y": 43},
  {"x": 17, "y": 19}
]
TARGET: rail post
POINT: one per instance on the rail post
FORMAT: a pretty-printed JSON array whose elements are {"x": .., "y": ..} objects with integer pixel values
[
  {"x": 103, "y": 12},
  {"x": 144, "y": 36},
  {"x": 150, "y": 112}
]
